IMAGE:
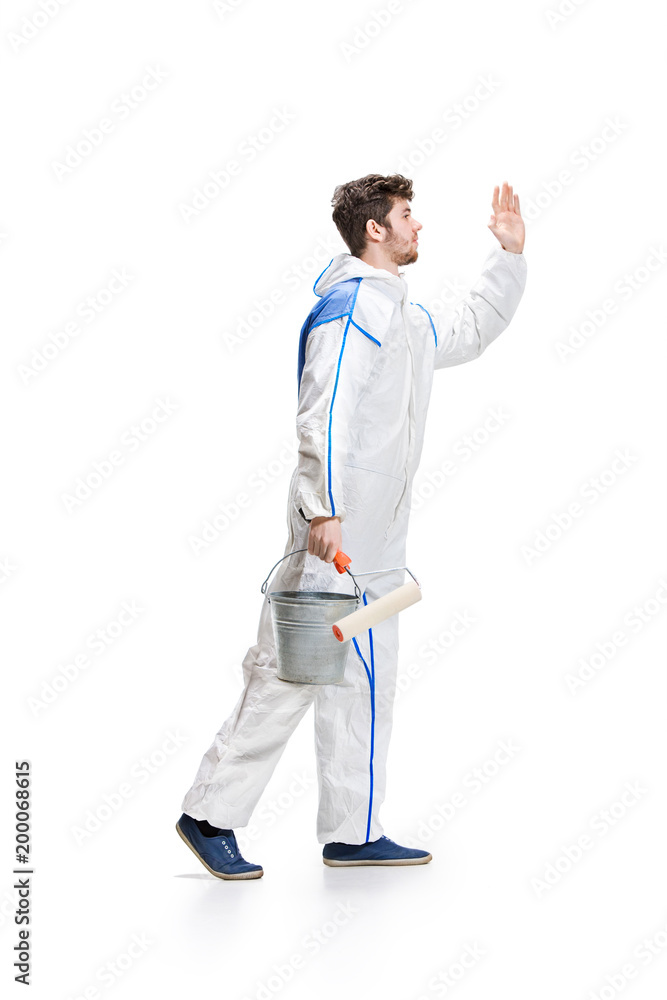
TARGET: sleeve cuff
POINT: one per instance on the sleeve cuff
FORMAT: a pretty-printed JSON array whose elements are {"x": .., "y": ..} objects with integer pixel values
[
  {"x": 508, "y": 253},
  {"x": 310, "y": 505}
]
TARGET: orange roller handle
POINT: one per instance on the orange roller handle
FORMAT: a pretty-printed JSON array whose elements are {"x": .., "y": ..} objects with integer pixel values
[{"x": 341, "y": 561}]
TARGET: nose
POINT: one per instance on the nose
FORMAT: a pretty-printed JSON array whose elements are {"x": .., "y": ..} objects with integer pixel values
[{"x": 417, "y": 226}]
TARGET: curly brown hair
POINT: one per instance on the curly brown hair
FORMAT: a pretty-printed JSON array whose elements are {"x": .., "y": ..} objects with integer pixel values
[{"x": 369, "y": 197}]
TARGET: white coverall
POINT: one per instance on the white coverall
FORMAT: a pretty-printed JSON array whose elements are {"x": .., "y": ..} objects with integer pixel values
[{"x": 367, "y": 367}]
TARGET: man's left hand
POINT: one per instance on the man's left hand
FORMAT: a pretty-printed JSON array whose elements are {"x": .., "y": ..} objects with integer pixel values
[{"x": 506, "y": 223}]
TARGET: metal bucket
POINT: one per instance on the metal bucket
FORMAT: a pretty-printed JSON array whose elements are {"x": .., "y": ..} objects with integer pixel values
[{"x": 307, "y": 650}]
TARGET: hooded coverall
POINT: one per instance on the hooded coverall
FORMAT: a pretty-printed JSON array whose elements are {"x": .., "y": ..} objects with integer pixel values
[{"x": 366, "y": 361}]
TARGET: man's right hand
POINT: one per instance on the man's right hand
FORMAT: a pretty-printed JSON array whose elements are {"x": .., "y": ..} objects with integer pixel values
[{"x": 325, "y": 538}]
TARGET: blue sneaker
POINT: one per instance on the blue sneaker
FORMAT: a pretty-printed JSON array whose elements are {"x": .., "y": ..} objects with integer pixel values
[
  {"x": 220, "y": 854},
  {"x": 376, "y": 852}
]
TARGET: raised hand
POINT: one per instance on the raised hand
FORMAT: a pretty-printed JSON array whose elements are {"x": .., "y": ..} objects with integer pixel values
[{"x": 506, "y": 223}]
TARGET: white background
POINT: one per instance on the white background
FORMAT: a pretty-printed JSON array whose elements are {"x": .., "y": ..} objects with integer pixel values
[{"x": 361, "y": 98}]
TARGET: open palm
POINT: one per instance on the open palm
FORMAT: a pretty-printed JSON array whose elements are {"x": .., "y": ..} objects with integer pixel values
[{"x": 506, "y": 223}]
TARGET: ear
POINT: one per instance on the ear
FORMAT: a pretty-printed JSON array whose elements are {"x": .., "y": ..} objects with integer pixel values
[{"x": 373, "y": 231}]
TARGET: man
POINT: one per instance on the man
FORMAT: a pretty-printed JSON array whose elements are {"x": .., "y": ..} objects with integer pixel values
[{"x": 366, "y": 361}]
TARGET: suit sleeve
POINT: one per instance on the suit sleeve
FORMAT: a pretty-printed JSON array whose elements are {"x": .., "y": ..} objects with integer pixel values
[
  {"x": 484, "y": 312},
  {"x": 338, "y": 359}
]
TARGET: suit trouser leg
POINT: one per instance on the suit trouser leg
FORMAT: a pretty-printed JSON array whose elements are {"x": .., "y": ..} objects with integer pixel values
[
  {"x": 353, "y": 724},
  {"x": 353, "y": 720},
  {"x": 238, "y": 765}
]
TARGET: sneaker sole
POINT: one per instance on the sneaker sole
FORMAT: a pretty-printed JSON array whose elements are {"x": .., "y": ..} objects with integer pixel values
[
  {"x": 241, "y": 875},
  {"x": 389, "y": 861}
]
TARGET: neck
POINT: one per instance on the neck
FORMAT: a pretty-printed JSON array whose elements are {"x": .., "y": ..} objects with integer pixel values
[{"x": 376, "y": 258}]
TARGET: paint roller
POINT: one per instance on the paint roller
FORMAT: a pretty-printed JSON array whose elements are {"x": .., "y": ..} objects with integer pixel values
[{"x": 377, "y": 611}]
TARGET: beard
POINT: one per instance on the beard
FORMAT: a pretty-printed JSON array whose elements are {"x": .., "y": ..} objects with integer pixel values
[{"x": 400, "y": 251}]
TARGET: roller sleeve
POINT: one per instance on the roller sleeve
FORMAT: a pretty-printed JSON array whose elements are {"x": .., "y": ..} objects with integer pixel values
[{"x": 376, "y": 612}]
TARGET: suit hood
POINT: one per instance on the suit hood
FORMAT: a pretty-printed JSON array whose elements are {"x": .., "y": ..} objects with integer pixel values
[{"x": 344, "y": 266}]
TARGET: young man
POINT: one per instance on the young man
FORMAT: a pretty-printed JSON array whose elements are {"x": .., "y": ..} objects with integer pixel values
[{"x": 366, "y": 361}]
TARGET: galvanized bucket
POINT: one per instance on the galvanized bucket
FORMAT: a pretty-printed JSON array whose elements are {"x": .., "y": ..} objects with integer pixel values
[
  {"x": 306, "y": 647},
  {"x": 307, "y": 650}
]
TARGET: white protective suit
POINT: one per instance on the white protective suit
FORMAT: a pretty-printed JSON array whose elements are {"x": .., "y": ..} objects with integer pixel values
[{"x": 366, "y": 362}]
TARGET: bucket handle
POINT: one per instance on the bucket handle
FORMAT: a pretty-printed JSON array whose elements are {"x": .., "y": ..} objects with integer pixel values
[{"x": 341, "y": 562}]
